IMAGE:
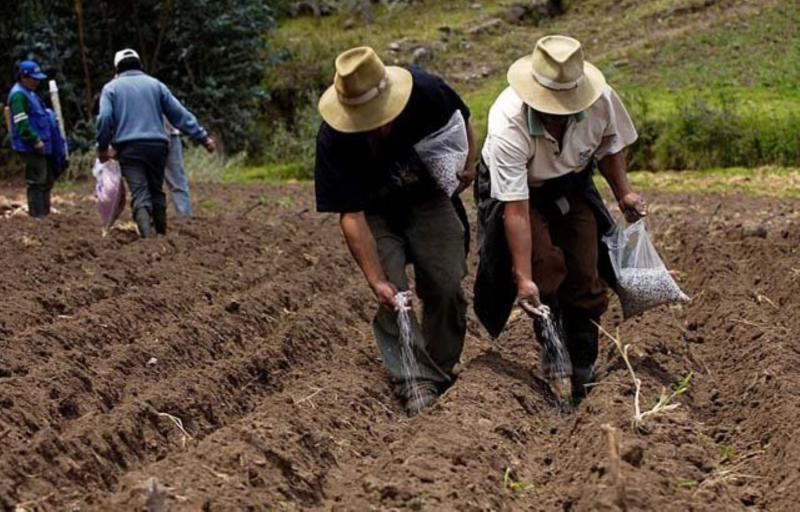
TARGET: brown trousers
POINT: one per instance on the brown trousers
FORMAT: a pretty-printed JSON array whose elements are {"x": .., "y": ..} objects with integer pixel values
[{"x": 565, "y": 257}]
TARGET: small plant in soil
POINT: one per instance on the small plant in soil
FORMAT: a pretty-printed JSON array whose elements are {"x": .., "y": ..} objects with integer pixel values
[
  {"x": 726, "y": 454},
  {"x": 513, "y": 485},
  {"x": 666, "y": 400}
]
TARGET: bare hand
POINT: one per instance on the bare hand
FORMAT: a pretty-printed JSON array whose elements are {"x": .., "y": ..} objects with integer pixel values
[
  {"x": 528, "y": 298},
  {"x": 633, "y": 206},
  {"x": 466, "y": 177},
  {"x": 385, "y": 291},
  {"x": 210, "y": 145},
  {"x": 39, "y": 147}
]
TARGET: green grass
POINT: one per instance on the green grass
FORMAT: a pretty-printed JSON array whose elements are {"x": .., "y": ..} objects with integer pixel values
[
  {"x": 777, "y": 182},
  {"x": 707, "y": 85}
]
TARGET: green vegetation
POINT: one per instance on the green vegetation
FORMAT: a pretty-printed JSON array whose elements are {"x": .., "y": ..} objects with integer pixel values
[
  {"x": 212, "y": 54},
  {"x": 513, "y": 485},
  {"x": 708, "y": 85}
]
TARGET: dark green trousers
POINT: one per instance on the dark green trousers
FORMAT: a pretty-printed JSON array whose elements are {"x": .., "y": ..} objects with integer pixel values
[
  {"x": 432, "y": 240},
  {"x": 39, "y": 177}
]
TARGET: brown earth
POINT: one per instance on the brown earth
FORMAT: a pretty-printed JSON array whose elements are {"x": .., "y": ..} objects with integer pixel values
[{"x": 259, "y": 326}]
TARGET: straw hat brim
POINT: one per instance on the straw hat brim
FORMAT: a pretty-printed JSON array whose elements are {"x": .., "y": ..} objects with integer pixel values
[
  {"x": 549, "y": 101},
  {"x": 372, "y": 114}
]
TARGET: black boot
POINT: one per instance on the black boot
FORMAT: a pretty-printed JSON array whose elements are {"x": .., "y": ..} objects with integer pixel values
[
  {"x": 144, "y": 222},
  {"x": 160, "y": 219},
  {"x": 582, "y": 339},
  {"x": 46, "y": 201},
  {"x": 36, "y": 203}
]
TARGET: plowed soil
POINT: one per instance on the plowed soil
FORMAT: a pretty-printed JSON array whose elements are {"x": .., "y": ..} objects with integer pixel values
[{"x": 233, "y": 362}]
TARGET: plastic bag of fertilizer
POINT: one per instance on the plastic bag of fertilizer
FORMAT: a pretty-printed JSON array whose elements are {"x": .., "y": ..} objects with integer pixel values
[
  {"x": 643, "y": 281},
  {"x": 444, "y": 152},
  {"x": 109, "y": 190}
]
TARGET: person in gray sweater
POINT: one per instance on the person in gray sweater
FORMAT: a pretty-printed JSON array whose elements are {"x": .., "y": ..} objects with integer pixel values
[{"x": 132, "y": 110}]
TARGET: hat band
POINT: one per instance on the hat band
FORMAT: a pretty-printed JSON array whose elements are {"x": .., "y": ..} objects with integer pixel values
[
  {"x": 557, "y": 86},
  {"x": 368, "y": 96}
]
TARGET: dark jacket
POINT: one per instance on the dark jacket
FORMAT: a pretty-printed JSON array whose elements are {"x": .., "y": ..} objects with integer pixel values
[{"x": 495, "y": 289}]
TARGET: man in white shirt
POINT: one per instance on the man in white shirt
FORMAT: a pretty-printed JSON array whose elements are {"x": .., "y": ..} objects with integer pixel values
[{"x": 546, "y": 131}]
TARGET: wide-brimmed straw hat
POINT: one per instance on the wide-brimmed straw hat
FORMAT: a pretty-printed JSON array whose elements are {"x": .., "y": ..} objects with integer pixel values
[
  {"x": 555, "y": 79},
  {"x": 365, "y": 94}
]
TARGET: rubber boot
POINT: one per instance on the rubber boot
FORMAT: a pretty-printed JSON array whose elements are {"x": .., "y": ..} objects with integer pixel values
[
  {"x": 36, "y": 203},
  {"x": 582, "y": 379},
  {"x": 160, "y": 220},
  {"x": 46, "y": 201},
  {"x": 144, "y": 222}
]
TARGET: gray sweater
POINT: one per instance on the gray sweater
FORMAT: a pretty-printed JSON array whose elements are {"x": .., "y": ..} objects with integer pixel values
[{"x": 133, "y": 107}]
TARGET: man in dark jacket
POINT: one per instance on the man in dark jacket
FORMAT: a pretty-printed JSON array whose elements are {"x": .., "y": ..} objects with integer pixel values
[
  {"x": 393, "y": 213},
  {"x": 31, "y": 128},
  {"x": 132, "y": 111}
]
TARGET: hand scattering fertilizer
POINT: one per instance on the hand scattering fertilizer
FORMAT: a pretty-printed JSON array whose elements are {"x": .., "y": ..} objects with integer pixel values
[
  {"x": 408, "y": 361},
  {"x": 643, "y": 281}
]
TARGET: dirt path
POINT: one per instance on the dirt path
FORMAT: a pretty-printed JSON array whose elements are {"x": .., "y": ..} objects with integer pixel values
[{"x": 259, "y": 327}]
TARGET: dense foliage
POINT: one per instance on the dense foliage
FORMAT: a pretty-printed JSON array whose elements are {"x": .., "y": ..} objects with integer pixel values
[{"x": 211, "y": 53}]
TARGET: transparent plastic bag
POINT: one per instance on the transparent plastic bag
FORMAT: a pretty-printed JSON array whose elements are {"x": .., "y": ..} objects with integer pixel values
[
  {"x": 109, "y": 191},
  {"x": 643, "y": 281},
  {"x": 444, "y": 152}
]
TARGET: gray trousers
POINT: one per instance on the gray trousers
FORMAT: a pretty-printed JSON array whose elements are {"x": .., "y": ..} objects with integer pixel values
[
  {"x": 433, "y": 242},
  {"x": 175, "y": 176}
]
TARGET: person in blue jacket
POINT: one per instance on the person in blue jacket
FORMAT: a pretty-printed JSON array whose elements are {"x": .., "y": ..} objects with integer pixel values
[
  {"x": 32, "y": 136},
  {"x": 132, "y": 110}
]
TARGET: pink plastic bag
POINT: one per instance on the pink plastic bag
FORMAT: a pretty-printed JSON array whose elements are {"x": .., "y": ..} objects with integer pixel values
[{"x": 109, "y": 190}]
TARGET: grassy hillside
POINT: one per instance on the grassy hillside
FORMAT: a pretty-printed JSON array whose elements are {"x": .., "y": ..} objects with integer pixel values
[{"x": 710, "y": 83}]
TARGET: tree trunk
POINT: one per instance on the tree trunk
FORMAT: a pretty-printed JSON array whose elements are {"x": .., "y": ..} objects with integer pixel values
[{"x": 87, "y": 77}]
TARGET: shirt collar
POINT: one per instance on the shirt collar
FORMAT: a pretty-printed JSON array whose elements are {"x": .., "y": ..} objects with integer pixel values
[
  {"x": 132, "y": 72},
  {"x": 535, "y": 126}
]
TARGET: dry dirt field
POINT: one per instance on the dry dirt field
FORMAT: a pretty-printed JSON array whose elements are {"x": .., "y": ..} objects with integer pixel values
[{"x": 249, "y": 325}]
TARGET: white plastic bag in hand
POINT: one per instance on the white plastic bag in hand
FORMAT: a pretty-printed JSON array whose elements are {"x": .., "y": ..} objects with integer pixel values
[
  {"x": 444, "y": 152},
  {"x": 643, "y": 281},
  {"x": 109, "y": 190}
]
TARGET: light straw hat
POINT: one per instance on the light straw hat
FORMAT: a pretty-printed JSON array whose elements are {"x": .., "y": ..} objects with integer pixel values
[
  {"x": 365, "y": 94},
  {"x": 555, "y": 79}
]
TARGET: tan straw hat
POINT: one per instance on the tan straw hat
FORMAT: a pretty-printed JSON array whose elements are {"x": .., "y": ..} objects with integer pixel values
[
  {"x": 365, "y": 94},
  {"x": 554, "y": 79}
]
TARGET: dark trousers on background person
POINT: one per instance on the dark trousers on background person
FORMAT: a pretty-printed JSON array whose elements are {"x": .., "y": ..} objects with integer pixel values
[
  {"x": 432, "y": 240},
  {"x": 565, "y": 256},
  {"x": 39, "y": 177},
  {"x": 142, "y": 164}
]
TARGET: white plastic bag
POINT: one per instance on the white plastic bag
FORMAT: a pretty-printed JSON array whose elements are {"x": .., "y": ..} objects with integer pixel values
[
  {"x": 643, "y": 281},
  {"x": 109, "y": 190},
  {"x": 444, "y": 152}
]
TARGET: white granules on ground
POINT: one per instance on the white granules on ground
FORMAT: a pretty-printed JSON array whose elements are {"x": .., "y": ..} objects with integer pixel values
[
  {"x": 408, "y": 360},
  {"x": 555, "y": 357}
]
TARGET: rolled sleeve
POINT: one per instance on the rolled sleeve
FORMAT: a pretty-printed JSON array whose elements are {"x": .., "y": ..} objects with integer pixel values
[
  {"x": 507, "y": 159},
  {"x": 620, "y": 131}
]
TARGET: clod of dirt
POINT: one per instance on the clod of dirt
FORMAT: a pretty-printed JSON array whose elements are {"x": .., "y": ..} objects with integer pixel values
[
  {"x": 233, "y": 307},
  {"x": 151, "y": 362},
  {"x": 634, "y": 455},
  {"x": 755, "y": 230}
]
